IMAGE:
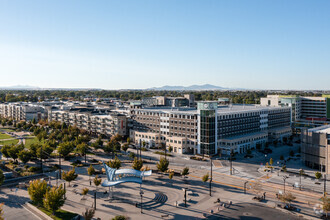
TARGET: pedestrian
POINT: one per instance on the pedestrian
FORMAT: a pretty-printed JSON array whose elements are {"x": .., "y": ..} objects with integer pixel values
[{"x": 264, "y": 195}]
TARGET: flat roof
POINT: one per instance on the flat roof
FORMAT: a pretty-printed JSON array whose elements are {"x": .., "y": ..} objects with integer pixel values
[
  {"x": 321, "y": 129},
  {"x": 220, "y": 110}
]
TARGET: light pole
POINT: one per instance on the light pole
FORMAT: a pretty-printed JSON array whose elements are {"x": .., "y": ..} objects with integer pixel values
[
  {"x": 185, "y": 196},
  {"x": 284, "y": 178},
  {"x": 231, "y": 162},
  {"x": 141, "y": 194},
  {"x": 301, "y": 171},
  {"x": 211, "y": 179},
  {"x": 265, "y": 159},
  {"x": 325, "y": 185}
]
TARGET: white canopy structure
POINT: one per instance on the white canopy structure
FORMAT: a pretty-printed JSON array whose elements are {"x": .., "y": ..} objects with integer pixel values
[{"x": 115, "y": 177}]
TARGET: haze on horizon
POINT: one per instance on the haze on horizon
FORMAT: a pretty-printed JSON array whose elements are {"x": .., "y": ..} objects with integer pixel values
[{"x": 130, "y": 44}]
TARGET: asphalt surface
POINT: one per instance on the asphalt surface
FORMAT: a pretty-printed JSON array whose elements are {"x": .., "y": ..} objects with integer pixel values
[{"x": 248, "y": 211}]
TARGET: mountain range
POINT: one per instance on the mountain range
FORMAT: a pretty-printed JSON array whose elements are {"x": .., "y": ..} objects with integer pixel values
[{"x": 193, "y": 87}]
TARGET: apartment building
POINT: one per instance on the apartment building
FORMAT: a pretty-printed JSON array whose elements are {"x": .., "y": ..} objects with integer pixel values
[
  {"x": 187, "y": 101},
  {"x": 93, "y": 120},
  {"x": 22, "y": 111},
  {"x": 210, "y": 129},
  {"x": 313, "y": 111},
  {"x": 315, "y": 146}
]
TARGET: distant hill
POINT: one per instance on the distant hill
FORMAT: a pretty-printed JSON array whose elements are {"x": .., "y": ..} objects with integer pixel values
[
  {"x": 193, "y": 87},
  {"x": 19, "y": 87}
]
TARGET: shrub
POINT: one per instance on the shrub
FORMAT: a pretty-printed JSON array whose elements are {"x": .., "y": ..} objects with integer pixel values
[
  {"x": 137, "y": 164},
  {"x": 84, "y": 191},
  {"x": 205, "y": 178},
  {"x": 318, "y": 175},
  {"x": 54, "y": 198}
]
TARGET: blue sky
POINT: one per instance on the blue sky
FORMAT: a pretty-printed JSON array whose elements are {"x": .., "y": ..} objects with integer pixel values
[{"x": 123, "y": 44}]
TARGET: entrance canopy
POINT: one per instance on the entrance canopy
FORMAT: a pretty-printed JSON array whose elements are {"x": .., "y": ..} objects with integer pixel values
[{"x": 115, "y": 177}]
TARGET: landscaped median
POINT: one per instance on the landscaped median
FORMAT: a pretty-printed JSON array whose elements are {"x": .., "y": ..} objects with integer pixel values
[{"x": 47, "y": 215}]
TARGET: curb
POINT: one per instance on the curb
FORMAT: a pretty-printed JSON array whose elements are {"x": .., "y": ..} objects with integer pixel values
[{"x": 34, "y": 210}]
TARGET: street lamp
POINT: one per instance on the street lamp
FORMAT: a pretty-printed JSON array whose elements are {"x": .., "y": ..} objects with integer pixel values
[
  {"x": 284, "y": 178},
  {"x": 141, "y": 194},
  {"x": 265, "y": 159},
  {"x": 245, "y": 186},
  {"x": 185, "y": 196},
  {"x": 211, "y": 179}
]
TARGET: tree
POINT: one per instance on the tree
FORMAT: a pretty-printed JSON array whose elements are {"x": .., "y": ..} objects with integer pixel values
[
  {"x": 65, "y": 149},
  {"x": 120, "y": 217},
  {"x": 137, "y": 164},
  {"x": 170, "y": 149},
  {"x": 271, "y": 161},
  {"x": 185, "y": 171},
  {"x": 14, "y": 151},
  {"x": 24, "y": 156},
  {"x": 54, "y": 198},
  {"x": 88, "y": 214},
  {"x": 318, "y": 175},
  {"x": 162, "y": 165},
  {"x": 128, "y": 140},
  {"x": 84, "y": 191},
  {"x": 115, "y": 163},
  {"x": 171, "y": 175},
  {"x": 37, "y": 190},
  {"x": 82, "y": 149},
  {"x": 69, "y": 175},
  {"x": 90, "y": 170},
  {"x": 287, "y": 198},
  {"x": 44, "y": 152},
  {"x": 205, "y": 178},
  {"x": 97, "y": 181},
  {"x": 5, "y": 151},
  {"x": 2, "y": 177}
]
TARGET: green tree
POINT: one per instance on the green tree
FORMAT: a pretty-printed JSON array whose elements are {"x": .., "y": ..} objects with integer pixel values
[
  {"x": 205, "y": 178},
  {"x": 5, "y": 150},
  {"x": 120, "y": 217},
  {"x": 185, "y": 171},
  {"x": 170, "y": 149},
  {"x": 137, "y": 164},
  {"x": 82, "y": 149},
  {"x": 318, "y": 175},
  {"x": 2, "y": 177},
  {"x": 271, "y": 161},
  {"x": 84, "y": 191},
  {"x": 97, "y": 181},
  {"x": 37, "y": 190},
  {"x": 171, "y": 175},
  {"x": 65, "y": 149},
  {"x": 24, "y": 156},
  {"x": 162, "y": 165},
  {"x": 69, "y": 175},
  {"x": 14, "y": 151},
  {"x": 115, "y": 163},
  {"x": 91, "y": 170},
  {"x": 131, "y": 155},
  {"x": 54, "y": 198}
]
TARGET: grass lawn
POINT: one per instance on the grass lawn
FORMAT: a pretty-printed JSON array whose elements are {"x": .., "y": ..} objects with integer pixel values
[
  {"x": 8, "y": 129},
  {"x": 9, "y": 142},
  {"x": 4, "y": 136},
  {"x": 60, "y": 214},
  {"x": 29, "y": 141}
]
